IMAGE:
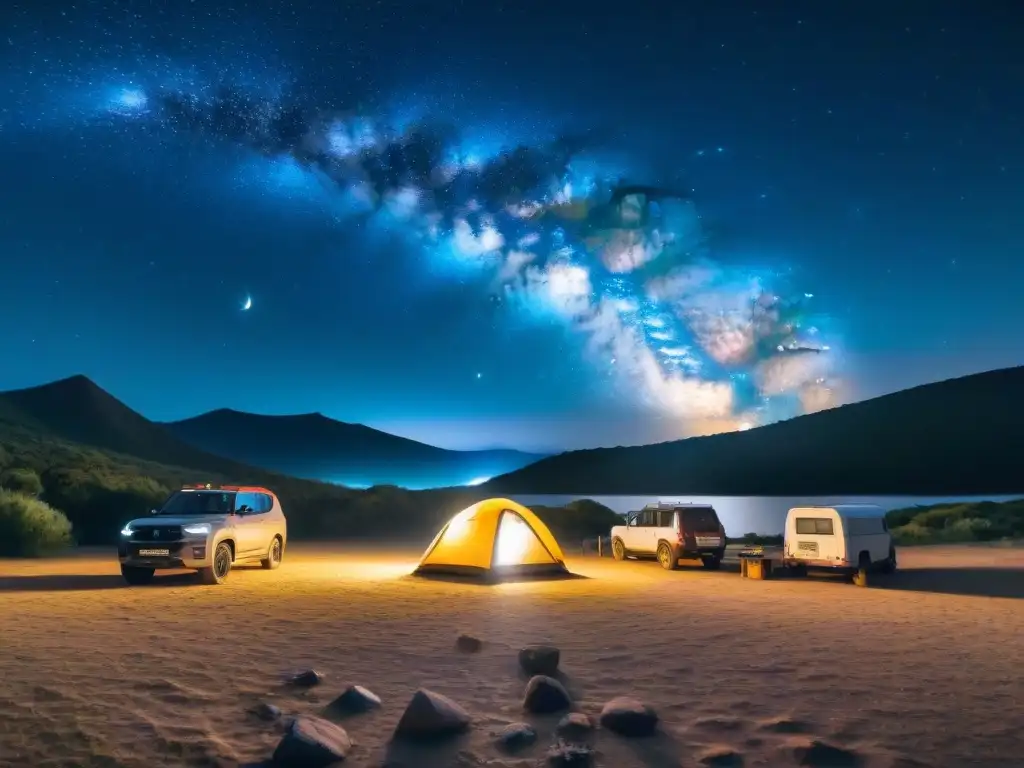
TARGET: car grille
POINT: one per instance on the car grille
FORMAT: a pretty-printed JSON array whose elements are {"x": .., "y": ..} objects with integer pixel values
[
  {"x": 157, "y": 533},
  {"x": 807, "y": 547}
]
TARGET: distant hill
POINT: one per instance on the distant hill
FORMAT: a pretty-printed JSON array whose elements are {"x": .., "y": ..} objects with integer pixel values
[
  {"x": 102, "y": 464},
  {"x": 78, "y": 410},
  {"x": 958, "y": 437},
  {"x": 315, "y": 447}
]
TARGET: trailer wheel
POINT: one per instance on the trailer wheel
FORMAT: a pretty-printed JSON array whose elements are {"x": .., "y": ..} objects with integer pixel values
[{"x": 860, "y": 578}]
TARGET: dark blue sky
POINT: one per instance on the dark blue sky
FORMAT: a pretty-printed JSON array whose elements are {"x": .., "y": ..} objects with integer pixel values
[{"x": 863, "y": 164}]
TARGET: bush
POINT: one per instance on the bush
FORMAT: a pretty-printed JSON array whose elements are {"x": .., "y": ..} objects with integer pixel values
[
  {"x": 24, "y": 481},
  {"x": 30, "y": 527}
]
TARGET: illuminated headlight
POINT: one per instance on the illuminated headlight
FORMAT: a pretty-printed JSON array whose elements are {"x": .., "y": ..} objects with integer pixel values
[
  {"x": 126, "y": 531},
  {"x": 197, "y": 530}
]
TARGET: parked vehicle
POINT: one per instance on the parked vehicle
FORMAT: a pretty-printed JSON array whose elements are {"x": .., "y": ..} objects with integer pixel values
[
  {"x": 671, "y": 531},
  {"x": 852, "y": 539},
  {"x": 206, "y": 528}
]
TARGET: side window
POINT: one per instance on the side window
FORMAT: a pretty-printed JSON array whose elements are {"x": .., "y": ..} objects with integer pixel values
[
  {"x": 814, "y": 526},
  {"x": 245, "y": 500},
  {"x": 665, "y": 518},
  {"x": 264, "y": 503},
  {"x": 647, "y": 518},
  {"x": 634, "y": 520}
]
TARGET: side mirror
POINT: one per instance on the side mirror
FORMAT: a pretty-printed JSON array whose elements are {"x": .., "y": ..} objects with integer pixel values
[{"x": 154, "y": 511}]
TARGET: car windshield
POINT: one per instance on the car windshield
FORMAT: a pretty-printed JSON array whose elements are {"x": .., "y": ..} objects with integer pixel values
[
  {"x": 199, "y": 503},
  {"x": 699, "y": 518}
]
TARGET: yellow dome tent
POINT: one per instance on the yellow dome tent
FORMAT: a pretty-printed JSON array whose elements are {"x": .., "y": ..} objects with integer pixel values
[{"x": 496, "y": 537}]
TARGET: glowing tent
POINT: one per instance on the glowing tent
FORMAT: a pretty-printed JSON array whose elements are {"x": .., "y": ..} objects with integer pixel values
[{"x": 493, "y": 538}]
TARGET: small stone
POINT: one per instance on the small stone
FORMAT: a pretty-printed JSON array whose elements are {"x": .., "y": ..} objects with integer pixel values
[
  {"x": 311, "y": 742},
  {"x": 355, "y": 700},
  {"x": 722, "y": 758},
  {"x": 820, "y": 754},
  {"x": 516, "y": 736},
  {"x": 628, "y": 717},
  {"x": 266, "y": 711},
  {"x": 545, "y": 695},
  {"x": 574, "y": 725},
  {"x": 563, "y": 755},
  {"x": 430, "y": 715},
  {"x": 307, "y": 678},
  {"x": 469, "y": 644},
  {"x": 539, "y": 660}
]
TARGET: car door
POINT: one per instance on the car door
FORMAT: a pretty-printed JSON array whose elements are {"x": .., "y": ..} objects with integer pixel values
[
  {"x": 268, "y": 523},
  {"x": 248, "y": 530},
  {"x": 646, "y": 532}
]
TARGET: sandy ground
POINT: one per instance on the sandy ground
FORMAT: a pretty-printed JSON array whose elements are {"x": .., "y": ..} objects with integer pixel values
[{"x": 925, "y": 669}]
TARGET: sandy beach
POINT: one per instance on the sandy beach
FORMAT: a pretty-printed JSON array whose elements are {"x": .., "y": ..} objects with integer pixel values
[{"x": 923, "y": 669}]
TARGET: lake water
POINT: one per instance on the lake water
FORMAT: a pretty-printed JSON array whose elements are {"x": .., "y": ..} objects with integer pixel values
[{"x": 755, "y": 514}]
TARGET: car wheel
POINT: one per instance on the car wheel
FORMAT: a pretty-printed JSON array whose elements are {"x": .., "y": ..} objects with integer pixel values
[
  {"x": 711, "y": 563},
  {"x": 618, "y": 549},
  {"x": 889, "y": 566},
  {"x": 137, "y": 576},
  {"x": 667, "y": 557},
  {"x": 218, "y": 572},
  {"x": 273, "y": 558}
]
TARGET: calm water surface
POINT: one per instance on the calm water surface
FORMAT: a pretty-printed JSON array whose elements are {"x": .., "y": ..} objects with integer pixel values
[{"x": 755, "y": 514}]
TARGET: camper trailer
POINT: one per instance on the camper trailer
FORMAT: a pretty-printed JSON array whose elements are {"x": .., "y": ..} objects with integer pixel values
[{"x": 847, "y": 538}]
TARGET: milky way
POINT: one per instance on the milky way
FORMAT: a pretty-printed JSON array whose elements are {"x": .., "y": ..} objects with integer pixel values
[{"x": 626, "y": 266}]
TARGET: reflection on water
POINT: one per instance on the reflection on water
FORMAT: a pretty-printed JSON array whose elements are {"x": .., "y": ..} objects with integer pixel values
[{"x": 754, "y": 514}]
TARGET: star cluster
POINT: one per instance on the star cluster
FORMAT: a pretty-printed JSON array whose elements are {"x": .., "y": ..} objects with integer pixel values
[{"x": 625, "y": 265}]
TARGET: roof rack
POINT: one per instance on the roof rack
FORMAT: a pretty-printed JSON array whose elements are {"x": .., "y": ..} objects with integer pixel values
[
  {"x": 675, "y": 504},
  {"x": 235, "y": 488}
]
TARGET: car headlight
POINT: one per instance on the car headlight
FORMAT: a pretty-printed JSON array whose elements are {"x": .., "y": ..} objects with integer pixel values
[
  {"x": 198, "y": 530},
  {"x": 126, "y": 531}
]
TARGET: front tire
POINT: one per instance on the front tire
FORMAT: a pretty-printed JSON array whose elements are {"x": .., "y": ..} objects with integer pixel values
[
  {"x": 136, "y": 576},
  {"x": 667, "y": 557},
  {"x": 618, "y": 549},
  {"x": 218, "y": 572},
  {"x": 273, "y": 559}
]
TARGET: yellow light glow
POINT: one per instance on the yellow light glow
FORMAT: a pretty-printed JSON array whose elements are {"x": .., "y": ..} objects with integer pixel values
[
  {"x": 513, "y": 540},
  {"x": 459, "y": 524}
]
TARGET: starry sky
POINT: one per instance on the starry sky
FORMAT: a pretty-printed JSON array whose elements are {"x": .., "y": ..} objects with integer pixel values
[{"x": 512, "y": 224}]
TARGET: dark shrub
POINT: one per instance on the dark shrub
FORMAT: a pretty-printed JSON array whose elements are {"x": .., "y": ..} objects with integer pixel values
[{"x": 30, "y": 527}]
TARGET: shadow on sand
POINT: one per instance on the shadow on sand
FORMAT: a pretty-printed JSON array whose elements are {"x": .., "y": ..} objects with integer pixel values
[
  {"x": 977, "y": 582},
  {"x": 79, "y": 582},
  {"x": 490, "y": 581}
]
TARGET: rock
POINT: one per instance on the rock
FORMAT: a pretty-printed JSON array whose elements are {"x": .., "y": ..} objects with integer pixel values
[
  {"x": 311, "y": 742},
  {"x": 355, "y": 700},
  {"x": 516, "y": 736},
  {"x": 539, "y": 660},
  {"x": 565, "y": 755},
  {"x": 722, "y": 758},
  {"x": 575, "y": 725},
  {"x": 469, "y": 644},
  {"x": 266, "y": 711},
  {"x": 628, "y": 717},
  {"x": 307, "y": 678},
  {"x": 430, "y": 715},
  {"x": 820, "y": 754},
  {"x": 545, "y": 695}
]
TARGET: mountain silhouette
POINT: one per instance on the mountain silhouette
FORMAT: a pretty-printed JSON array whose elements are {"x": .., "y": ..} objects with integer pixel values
[
  {"x": 315, "y": 447},
  {"x": 962, "y": 436},
  {"x": 78, "y": 410}
]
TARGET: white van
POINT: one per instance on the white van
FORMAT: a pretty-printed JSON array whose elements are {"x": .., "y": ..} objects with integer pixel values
[{"x": 847, "y": 538}]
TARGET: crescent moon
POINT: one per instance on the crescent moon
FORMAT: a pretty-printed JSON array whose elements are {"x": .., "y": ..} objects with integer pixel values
[{"x": 247, "y": 304}]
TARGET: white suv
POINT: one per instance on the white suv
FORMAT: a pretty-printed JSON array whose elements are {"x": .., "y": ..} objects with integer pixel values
[
  {"x": 208, "y": 529},
  {"x": 671, "y": 531}
]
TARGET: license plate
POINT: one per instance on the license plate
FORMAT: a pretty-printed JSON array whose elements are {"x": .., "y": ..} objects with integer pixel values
[{"x": 154, "y": 552}]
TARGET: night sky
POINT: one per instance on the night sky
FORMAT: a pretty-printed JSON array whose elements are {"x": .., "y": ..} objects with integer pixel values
[{"x": 539, "y": 225}]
